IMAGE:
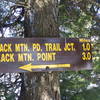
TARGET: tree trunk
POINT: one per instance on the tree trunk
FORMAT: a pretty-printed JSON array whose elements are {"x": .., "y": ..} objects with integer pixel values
[{"x": 41, "y": 21}]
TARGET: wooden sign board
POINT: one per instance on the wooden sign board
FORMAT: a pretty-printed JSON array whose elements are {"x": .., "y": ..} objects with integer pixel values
[{"x": 44, "y": 54}]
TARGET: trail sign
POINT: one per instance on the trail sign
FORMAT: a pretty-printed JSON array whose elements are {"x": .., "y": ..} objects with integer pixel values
[{"x": 44, "y": 54}]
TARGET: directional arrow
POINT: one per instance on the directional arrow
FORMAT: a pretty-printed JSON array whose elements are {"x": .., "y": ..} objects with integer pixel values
[{"x": 29, "y": 67}]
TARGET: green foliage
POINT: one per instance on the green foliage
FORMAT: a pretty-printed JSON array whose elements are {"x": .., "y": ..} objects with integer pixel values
[
  {"x": 77, "y": 20},
  {"x": 5, "y": 93},
  {"x": 77, "y": 85}
]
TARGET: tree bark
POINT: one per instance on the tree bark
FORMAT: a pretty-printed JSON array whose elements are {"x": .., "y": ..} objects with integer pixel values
[{"x": 41, "y": 21}]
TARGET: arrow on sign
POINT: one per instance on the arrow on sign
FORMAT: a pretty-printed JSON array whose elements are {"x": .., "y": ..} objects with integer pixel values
[{"x": 29, "y": 67}]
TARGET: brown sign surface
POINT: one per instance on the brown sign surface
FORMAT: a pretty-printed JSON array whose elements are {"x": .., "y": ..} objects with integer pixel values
[{"x": 44, "y": 54}]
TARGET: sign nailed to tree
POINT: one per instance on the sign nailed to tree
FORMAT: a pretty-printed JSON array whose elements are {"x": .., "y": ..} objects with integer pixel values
[{"x": 44, "y": 54}]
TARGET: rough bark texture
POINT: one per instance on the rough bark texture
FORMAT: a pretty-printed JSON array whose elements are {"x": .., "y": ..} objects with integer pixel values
[
  {"x": 42, "y": 86},
  {"x": 41, "y": 21}
]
